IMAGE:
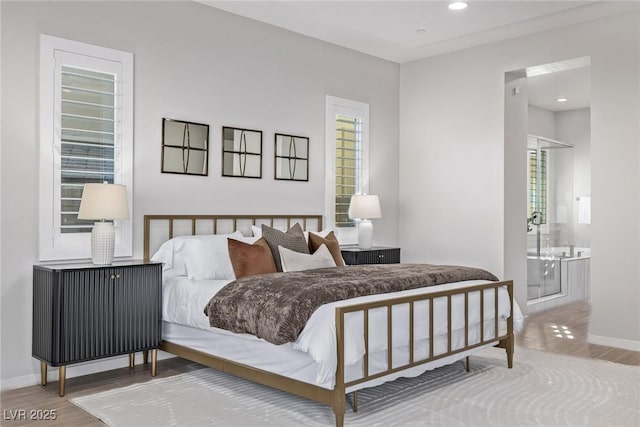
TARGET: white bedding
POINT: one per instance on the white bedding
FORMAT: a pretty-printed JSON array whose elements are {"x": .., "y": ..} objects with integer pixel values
[
  {"x": 184, "y": 301},
  {"x": 285, "y": 361}
]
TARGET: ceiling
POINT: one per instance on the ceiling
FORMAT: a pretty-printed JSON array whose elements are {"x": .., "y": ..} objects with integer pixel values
[
  {"x": 574, "y": 84},
  {"x": 389, "y": 29}
]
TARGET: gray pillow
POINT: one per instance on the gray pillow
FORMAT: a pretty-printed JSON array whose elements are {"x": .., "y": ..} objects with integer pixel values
[{"x": 293, "y": 239}]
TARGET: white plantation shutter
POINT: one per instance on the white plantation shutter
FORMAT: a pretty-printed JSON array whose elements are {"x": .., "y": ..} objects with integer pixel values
[
  {"x": 88, "y": 124},
  {"x": 348, "y": 166},
  {"x": 86, "y": 137}
]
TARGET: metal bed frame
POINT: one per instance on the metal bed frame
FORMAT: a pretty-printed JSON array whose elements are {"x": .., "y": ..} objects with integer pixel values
[{"x": 336, "y": 398}]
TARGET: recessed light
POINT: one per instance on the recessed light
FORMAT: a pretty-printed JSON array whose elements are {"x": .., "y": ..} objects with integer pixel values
[
  {"x": 421, "y": 30},
  {"x": 562, "y": 99},
  {"x": 458, "y": 5}
]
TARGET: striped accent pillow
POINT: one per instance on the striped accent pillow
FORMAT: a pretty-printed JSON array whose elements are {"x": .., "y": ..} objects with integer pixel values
[{"x": 293, "y": 239}]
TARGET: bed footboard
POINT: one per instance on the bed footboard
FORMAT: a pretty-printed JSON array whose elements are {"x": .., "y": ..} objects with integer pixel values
[{"x": 492, "y": 318}]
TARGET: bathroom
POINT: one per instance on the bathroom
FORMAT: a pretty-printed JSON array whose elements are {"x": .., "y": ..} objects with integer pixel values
[{"x": 558, "y": 184}]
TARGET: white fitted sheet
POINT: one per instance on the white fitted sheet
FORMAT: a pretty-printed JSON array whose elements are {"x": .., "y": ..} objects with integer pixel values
[{"x": 184, "y": 301}]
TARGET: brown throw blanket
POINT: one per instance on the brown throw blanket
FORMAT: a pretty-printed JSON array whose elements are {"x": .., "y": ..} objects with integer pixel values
[{"x": 276, "y": 306}]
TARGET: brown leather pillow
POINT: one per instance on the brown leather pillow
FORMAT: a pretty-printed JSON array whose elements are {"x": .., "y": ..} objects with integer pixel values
[
  {"x": 331, "y": 241},
  {"x": 250, "y": 260}
]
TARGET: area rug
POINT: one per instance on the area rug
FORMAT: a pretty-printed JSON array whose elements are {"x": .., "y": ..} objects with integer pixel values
[{"x": 542, "y": 389}]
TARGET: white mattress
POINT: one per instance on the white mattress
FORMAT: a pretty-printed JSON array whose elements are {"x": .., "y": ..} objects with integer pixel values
[{"x": 312, "y": 358}]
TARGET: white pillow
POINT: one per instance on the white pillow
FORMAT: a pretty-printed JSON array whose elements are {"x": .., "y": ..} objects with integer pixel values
[
  {"x": 209, "y": 258},
  {"x": 164, "y": 254},
  {"x": 296, "y": 261},
  {"x": 172, "y": 252},
  {"x": 256, "y": 231}
]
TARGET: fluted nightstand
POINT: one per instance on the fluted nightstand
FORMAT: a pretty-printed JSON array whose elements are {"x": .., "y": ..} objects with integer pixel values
[
  {"x": 85, "y": 312},
  {"x": 353, "y": 255}
]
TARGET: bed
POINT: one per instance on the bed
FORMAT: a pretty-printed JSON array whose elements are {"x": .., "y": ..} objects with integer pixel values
[{"x": 346, "y": 345}]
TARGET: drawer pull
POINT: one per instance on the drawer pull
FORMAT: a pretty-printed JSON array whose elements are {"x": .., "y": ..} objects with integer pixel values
[
  {"x": 113, "y": 276},
  {"x": 118, "y": 276}
]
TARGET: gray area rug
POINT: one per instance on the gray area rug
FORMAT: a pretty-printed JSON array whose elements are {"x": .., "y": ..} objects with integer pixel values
[{"x": 542, "y": 389}]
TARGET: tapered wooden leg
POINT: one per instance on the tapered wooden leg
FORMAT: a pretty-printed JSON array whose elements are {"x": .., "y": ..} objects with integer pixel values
[
  {"x": 43, "y": 373},
  {"x": 339, "y": 418},
  {"x": 145, "y": 356},
  {"x": 62, "y": 378},
  {"x": 467, "y": 363},
  {"x": 354, "y": 401},
  {"x": 132, "y": 360},
  {"x": 508, "y": 345},
  {"x": 339, "y": 407},
  {"x": 154, "y": 361},
  {"x": 510, "y": 348}
]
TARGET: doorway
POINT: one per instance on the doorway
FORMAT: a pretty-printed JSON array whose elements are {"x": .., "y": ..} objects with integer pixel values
[{"x": 548, "y": 183}]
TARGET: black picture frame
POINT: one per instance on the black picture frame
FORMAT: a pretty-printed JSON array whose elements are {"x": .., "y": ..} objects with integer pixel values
[
  {"x": 185, "y": 147},
  {"x": 241, "y": 152},
  {"x": 291, "y": 157}
]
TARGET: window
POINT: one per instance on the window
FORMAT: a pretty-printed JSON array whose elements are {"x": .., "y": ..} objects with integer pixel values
[
  {"x": 348, "y": 161},
  {"x": 347, "y": 157},
  {"x": 86, "y": 116},
  {"x": 538, "y": 183}
]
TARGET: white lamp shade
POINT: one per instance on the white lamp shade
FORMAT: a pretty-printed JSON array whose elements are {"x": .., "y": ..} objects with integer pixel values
[
  {"x": 104, "y": 201},
  {"x": 365, "y": 206}
]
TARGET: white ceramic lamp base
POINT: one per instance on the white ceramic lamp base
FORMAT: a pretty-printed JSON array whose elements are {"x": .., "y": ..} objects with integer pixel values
[
  {"x": 103, "y": 242},
  {"x": 365, "y": 234}
]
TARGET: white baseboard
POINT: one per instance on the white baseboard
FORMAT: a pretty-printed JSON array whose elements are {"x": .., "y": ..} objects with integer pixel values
[
  {"x": 614, "y": 342},
  {"x": 76, "y": 370}
]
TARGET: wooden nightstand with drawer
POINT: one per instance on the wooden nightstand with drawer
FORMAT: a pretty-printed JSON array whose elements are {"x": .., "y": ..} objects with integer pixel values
[
  {"x": 353, "y": 255},
  {"x": 85, "y": 312}
]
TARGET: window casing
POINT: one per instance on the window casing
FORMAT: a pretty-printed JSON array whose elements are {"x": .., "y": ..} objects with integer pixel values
[
  {"x": 86, "y": 135},
  {"x": 347, "y": 160}
]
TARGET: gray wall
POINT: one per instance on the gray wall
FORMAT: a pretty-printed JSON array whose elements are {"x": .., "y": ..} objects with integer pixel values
[
  {"x": 516, "y": 118},
  {"x": 541, "y": 122},
  {"x": 574, "y": 127},
  {"x": 452, "y": 150},
  {"x": 192, "y": 62}
]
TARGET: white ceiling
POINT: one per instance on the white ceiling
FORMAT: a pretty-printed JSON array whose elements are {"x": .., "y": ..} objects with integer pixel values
[
  {"x": 388, "y": 29},
  {"x": 575, "y": 85}
]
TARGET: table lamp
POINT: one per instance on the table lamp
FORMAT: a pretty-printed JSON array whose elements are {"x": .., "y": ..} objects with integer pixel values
[
  {"x": 103, "y": 202},
  {"x": 365, "y": 207}
]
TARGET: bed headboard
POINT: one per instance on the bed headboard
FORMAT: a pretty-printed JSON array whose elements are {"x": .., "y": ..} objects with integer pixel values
[{"x": 160, "y": 228}]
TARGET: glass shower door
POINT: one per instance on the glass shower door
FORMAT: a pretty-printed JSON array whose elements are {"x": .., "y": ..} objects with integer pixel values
[{"x": 550, "y": 190}]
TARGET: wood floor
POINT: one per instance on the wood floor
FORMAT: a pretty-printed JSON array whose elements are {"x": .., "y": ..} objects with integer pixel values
[
  {"x": 541, "y": 332},
  {"x": 564, "y": 330}
]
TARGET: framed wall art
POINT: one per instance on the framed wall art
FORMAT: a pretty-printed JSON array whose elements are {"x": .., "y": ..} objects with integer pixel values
[
  {"x": 185, "y": 147},
  {"x": 241, "y": 152},
  {"x": 291, "y": 157}
]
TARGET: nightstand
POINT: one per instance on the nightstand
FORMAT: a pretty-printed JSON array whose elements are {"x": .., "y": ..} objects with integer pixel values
[
  {"x": 85, "y": 312},
  {"x": 353, "y": 255}
]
